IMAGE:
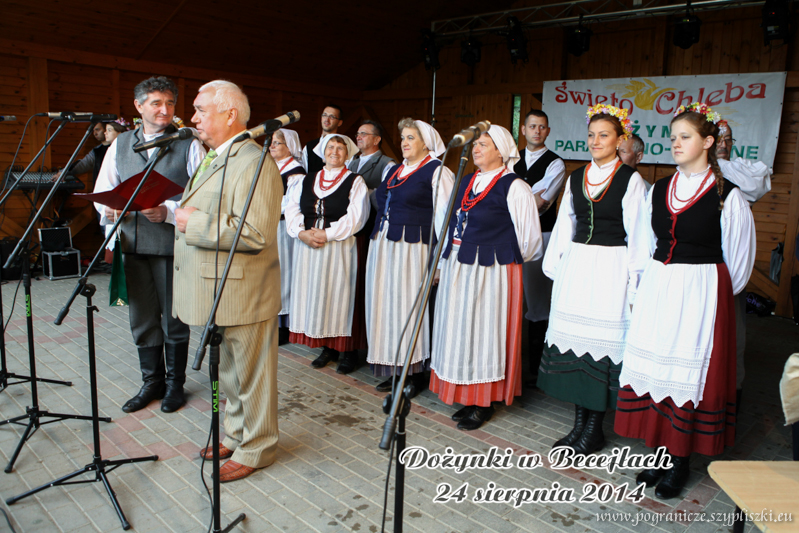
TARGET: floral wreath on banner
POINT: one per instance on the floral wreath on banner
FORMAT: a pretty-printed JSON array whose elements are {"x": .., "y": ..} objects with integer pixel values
[
  {"x": 702, "y": 109},
  {"x": 613, "y": 111}
]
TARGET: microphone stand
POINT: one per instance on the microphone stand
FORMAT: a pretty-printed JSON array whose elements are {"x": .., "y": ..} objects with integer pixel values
[
  {"x": 101, "y": 467},
  {"x": 397, "y": 405},
  {"x": 34, "y": 414},
  {"x": 5, "y": 375},
  {"x": 212, "y": 336}
]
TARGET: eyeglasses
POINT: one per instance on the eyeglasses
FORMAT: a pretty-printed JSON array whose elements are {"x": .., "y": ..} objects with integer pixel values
[
  {"x": 364, "y": 134},
  {"x": 275, "y": 144},
  {"x": 726, "y": 141},
  {"x": 333, "y": 117}
]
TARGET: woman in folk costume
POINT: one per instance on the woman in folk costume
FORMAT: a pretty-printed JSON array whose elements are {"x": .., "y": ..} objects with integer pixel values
[
  {"x": 477, "y": 325},
  {"x": 595, "y": 257},
  {"x": 287, "y": 153},
  {"x": 679, "y": 365},
  {"x": 325, "y": 213},
  {"x": 407, "y": 199}
]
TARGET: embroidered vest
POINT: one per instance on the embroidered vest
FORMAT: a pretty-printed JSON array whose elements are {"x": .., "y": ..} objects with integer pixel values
[
  {"x": 410, "y": 207},
  {"x": 600, "y": 223}
]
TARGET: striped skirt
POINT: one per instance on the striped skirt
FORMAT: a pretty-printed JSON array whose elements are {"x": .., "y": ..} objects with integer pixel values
[
  {"x": 327, "y": 295},
  {"x": 685, "y": 429},
  {"x": 394, "y": 273},
  {"x": 476, "y": 356},
  {"x": 579, "y": 380},
  {"x": 285, "y": 249}
]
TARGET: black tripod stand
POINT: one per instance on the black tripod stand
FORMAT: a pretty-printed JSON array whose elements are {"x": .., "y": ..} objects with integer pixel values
[{"x": 101, "y": 467}]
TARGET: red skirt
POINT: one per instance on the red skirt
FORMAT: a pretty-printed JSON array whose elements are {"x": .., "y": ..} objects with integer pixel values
[
  {"x": 483, "y": 394},
  {"x": 708, "y": 427},
  {"x": 357, "y": 338}
]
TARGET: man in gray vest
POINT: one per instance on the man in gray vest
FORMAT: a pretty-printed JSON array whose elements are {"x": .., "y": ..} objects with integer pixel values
[
  {"x": 147, "y": 238},
  {"x": 370, "y": 163}
]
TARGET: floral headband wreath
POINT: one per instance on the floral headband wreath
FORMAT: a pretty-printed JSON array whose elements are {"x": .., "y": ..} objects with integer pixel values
[
  {"x": 620, "y": 114},
  {"x": 702, "y": 109},
  {"x": 122, "y": 122},
  {"x": 178, "y": 122},
  {"x": 724, "y": 127}
]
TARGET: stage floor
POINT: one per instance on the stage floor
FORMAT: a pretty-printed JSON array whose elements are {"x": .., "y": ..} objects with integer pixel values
[{"x": 329, "y": 474}]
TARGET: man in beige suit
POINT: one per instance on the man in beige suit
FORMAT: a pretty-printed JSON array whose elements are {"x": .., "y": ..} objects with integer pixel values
[{"x": 247, "y": 314}]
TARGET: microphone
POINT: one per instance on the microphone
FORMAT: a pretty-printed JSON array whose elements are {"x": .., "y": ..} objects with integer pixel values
[
  {"x": 8, "y": 118},
  {"x": 79, "y": 117},
  {"x": 471, "y": 133},
  {"x": 182, "y": 134},
  {"x": 270, "y": 126}
]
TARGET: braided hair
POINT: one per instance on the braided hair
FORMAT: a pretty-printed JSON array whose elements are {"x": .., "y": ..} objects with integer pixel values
[{"x": 706, "y": 128}]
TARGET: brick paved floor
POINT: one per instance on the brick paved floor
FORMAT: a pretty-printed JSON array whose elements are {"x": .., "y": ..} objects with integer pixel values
[{"x": 330, "y": 474}]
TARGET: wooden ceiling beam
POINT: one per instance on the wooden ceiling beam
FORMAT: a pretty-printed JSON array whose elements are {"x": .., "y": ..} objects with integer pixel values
[{"x": 161, "y": 29}]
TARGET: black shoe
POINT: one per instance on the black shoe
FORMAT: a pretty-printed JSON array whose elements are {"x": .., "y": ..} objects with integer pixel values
[
  {"x": 476, "y": 419},
  {"x": 650, "y": 476},
  {"x": 592, "y": 439},
  {"x": 673, "y": 482},
  {"x": 463, "y": 412},
  {"x": 175, "y": 358},
  {"x": 385, "y": 386},
  {"x": 283, "y": 336},
  {"x": 348, "y": 363},
  {"x": 327, "y": 355},
  {"x": 580, "y": 417},
  {"x": 149, "y": 392}
]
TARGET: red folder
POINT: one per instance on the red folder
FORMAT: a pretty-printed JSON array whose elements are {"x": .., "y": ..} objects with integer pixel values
[{"x": 156, "y": 189}]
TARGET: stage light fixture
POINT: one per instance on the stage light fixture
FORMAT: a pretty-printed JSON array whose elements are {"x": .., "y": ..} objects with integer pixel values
[
  {"x": 578, "y": 40},
  {"x": 517, "y": 42},
  {"x": 686, "y": 29},
  {"x": 430, "y": 50},
  {"x": 471, "y": 51},
  {"x": 776, "y": 21}
]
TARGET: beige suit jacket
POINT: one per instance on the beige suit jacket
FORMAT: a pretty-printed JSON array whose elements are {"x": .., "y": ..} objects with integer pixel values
[{"x": 252, "y": 292}]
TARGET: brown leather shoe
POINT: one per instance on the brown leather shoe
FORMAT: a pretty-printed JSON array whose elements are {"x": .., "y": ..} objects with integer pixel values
[
  {"x": 208, "y": 453},
  {"x": 232, "y": 471}
]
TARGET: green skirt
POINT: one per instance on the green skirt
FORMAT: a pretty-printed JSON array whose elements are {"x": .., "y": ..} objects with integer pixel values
[{"x": 579, "y": 380}]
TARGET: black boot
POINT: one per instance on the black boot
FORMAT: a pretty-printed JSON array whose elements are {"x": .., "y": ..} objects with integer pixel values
[
  {"x": 151, "y": 361},
  {"x": 651, "y": 476},
  {"x": 283, "y": 336},
  {"x": 175, "y": 356},
  {"x": 476, "y": 418},
  {"x": 347, "y": 363},
  {"x": 327, "y": 355},
  {"x": 593, "y": 438},
  {"x": 580, "y": 417},
  {"x": 675, "y": 479}
]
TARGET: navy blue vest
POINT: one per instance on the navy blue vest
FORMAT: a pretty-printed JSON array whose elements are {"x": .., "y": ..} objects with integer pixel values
[
  {"x": 600, "y": 223},
  {"x": 287, "y": 174},
  {"x": 328, "y": 209},
  {"x": 694, "y": 236},
  {"x": 533, "y": 175},
  {"x": 489, "y": 231},
  {"x": 411, "y": 205}
]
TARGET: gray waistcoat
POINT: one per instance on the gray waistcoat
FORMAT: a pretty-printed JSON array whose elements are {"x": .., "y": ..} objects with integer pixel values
[
  {"x": 139, "y": 235},
  {"x": 372, "y": 171}
]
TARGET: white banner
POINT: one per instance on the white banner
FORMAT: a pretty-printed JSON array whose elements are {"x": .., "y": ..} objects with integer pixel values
[{"x": 751, "y": 103}]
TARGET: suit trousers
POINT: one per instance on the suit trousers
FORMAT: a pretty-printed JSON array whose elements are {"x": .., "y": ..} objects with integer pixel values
[
  {"x": 248, "y": 377},
  {"x": 149, "y": 281}
]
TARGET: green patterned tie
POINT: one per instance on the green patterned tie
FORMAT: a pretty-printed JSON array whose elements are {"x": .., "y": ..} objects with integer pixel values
[{"x": 206, "y": 162}]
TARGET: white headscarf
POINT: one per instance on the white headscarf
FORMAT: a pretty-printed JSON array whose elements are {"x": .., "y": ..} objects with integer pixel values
[
  {"x": 505, "y": 144},
  {"x": 292, "y": 143},
  {"x": 352, "y": 149},
  {"x": 432, "y": 139}
]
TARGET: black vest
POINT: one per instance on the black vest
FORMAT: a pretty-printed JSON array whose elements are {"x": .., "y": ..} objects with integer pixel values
[
  {"x": 314, "y": 163},
  {"x": 287, "y": 174},
  {"x": 99, "y": 155},
  {"x": 600, "y": 223},
  {"x": 327, "y": 209},
  {"x": 533, "y": 175},
  {"x": 694, "y": 236}
]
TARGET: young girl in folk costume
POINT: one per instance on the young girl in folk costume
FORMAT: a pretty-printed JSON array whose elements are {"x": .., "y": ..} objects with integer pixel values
[
  {"x": 287, "y": 153},
  {"x": 596, "y": 255},
  {"x": 476, "y": 356},
  {"x": 679, "y": 365},
  {"x": 400, "y": 250},
  {"x": 324, "y": 213}
]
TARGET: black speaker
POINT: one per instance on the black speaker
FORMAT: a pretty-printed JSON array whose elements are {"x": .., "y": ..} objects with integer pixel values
[{"x": 7, "y": 246}]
